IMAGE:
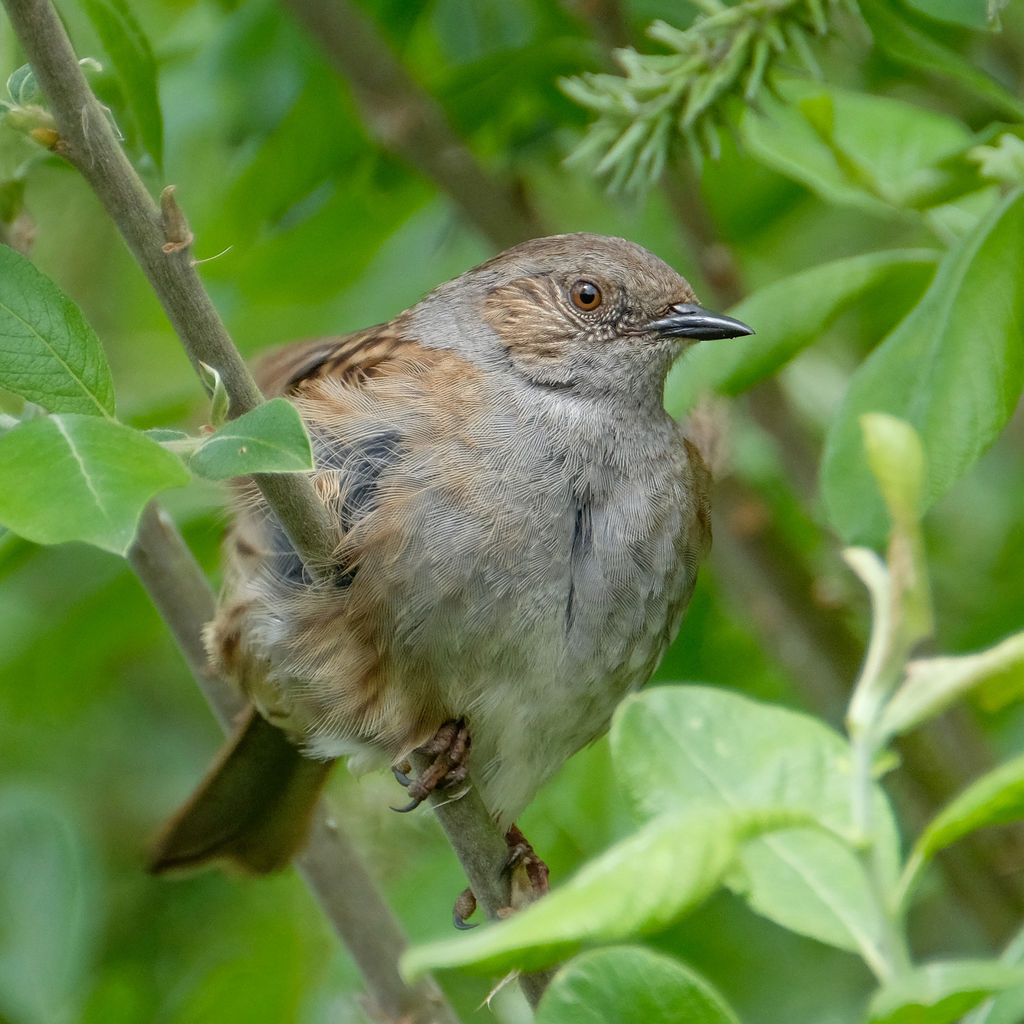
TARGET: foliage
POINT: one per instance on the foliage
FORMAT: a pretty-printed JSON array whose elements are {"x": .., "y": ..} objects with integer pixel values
[{"x": 847, "y": 177}]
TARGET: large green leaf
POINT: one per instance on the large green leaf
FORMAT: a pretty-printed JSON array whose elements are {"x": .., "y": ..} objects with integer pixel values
[
  {"x": 953, "y": 368},
  {"x": 630, "y": 985},
  {"x": 712, "y": 750},
  {"x": 788, "y": 315},
  {"x": 132, "y": 57},
  {"x": 269, "y": 439},
  {"x": 48, "y": 353},
  {"x": 71, "y": 477},
  {"x": 640, "y": 885},
  {"x": 941, "y": 992}
]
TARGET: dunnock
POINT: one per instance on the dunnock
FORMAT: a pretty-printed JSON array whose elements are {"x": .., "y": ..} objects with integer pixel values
[{"x": 520, "y": 524}]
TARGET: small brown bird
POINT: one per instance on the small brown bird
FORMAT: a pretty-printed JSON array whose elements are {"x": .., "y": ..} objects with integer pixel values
[{"x": 520, "y": 527}]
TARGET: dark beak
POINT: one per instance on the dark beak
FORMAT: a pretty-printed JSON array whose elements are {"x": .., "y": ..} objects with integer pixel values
[{"x": 688, "y": 320}]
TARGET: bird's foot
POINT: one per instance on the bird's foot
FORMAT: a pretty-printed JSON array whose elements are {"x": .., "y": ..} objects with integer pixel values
[
  {"x": 523, "y": 858},
  {"x": 449, "y": 748},
  {"x": 528, "y": 880}
]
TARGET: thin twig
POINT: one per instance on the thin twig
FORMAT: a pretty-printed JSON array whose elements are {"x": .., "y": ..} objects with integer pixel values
[{"x": 330, "y": 864}]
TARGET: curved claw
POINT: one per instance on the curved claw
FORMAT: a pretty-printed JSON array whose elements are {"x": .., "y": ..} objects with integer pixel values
[
  {"x": 465, "y": 906},
  {"x": 403, "y": 779},
  {"x": 410, "y": 806}
]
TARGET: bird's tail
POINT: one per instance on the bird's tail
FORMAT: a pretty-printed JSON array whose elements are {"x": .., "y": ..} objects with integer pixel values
[{"x": 253, "y": 809}]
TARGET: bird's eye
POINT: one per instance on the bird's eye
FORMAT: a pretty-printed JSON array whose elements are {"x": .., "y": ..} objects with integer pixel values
[{"x": 585, "y": 295}]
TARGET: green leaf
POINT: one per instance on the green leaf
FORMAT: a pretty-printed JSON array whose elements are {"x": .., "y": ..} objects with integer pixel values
[
  {"x": 995, "y": 799},
  {"x": 940, "y": 993},
  {"x": 1003, "y": 161},
  {"x": 220, "y": 403},
  {"x": 904, "y": 39},
  {"x": 132, "y": 57},
  {"x": 788, "y": 315},
  {"x": 896, "y": 461},
  {"x": 875, "y": 153},
  {"x": 630, "y": 985},
  {"x": 269, "y": 439},
  {"x": 932, "y": 684},
  {"x": 73, "y": 477},
  {"x": 684, "y": 857},
  {"x": 711, "y": 750},
  {"x": 953, "y": 369},
  {"x": 22, "y": 85},
  {"x": 48, "y": 353},
  {"x": 50, "y": 906}
]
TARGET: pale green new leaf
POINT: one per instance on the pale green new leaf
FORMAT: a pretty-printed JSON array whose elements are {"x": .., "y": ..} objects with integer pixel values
[
  {"x": 932, "y": 684},
  {"x": 879, "y": 154},
  {"x": 72, "y": 477},
  {"x": 1007, "y": 1007},
  {"x": 48, "y": 353}
]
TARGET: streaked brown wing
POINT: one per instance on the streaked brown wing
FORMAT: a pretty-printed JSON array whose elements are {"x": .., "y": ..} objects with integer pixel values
[{"x": 352, "y": 356}]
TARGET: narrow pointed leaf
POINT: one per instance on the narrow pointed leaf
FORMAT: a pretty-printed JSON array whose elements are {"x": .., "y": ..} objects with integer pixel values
[
  {"x": 132, "y": 56},
  {"x": 904, "y": 40},
  {"x": 995, "y": 799}
]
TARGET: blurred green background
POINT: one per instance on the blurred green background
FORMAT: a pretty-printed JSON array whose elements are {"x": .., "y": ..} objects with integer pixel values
[{"x": 312, "y": 227}]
